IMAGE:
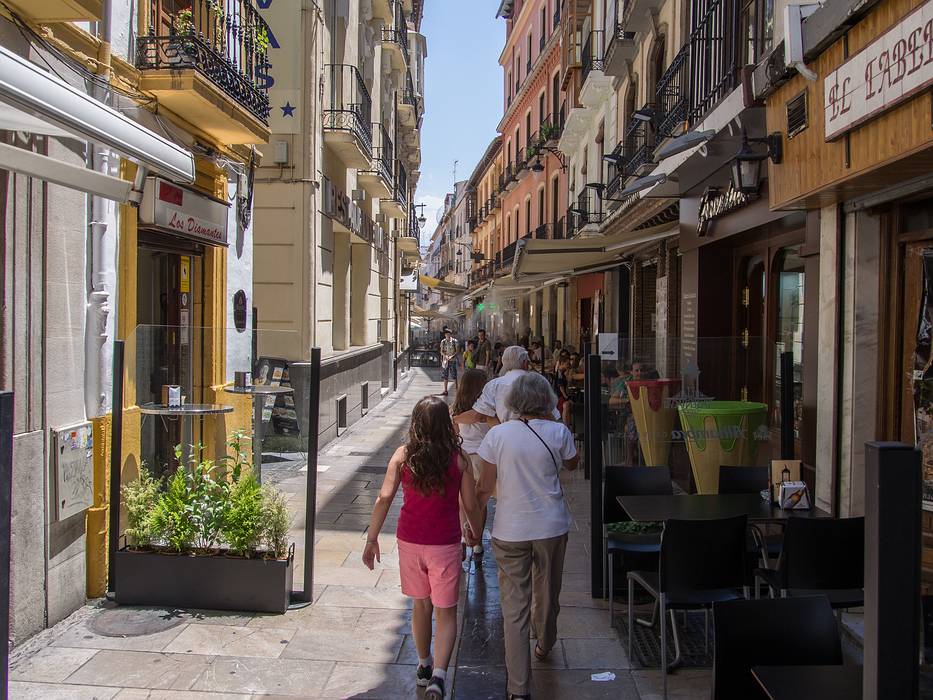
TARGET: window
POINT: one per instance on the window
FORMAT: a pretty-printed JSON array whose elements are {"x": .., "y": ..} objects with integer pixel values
[
  {"x": 528, "y": 53},
  {"x": 508, "y": 87},
  {"x": 555, "y": 96},
  {"x": 541, "y": 208},
  {"x": 528, "y": 129},
  {"x": 518, "y": 146},
  {"x": 528, "y": 216},
  {"x": 543, "y": 26},
  {"x": 757, "y": 30},
  {"x": 542, "y": 101},
  {"x": 555, "y": 198},
  {"x": 508, "y": 226}
]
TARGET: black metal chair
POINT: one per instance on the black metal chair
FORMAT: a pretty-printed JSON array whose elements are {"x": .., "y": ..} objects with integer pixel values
[
  {"x": 630, "y": 481},
  {"x": 701, "y": 562},
  {"x": 743, "y": 479},
  {"x": 770, "y": 632},
  {"x": 821, "y": 556}
]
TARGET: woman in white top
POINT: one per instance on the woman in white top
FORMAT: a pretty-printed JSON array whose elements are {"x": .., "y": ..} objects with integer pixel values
[
  {"x": 522, "y": 458},
  {"x": 471, "y": 434}
]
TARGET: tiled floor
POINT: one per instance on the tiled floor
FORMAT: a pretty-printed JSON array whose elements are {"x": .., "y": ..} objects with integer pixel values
[{"x": 355, "y": 641}]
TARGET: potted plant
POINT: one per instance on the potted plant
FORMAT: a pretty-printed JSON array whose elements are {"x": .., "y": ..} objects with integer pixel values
[
  {"x": 548, "y": 132},
  {"x": 207, "y": 536}
]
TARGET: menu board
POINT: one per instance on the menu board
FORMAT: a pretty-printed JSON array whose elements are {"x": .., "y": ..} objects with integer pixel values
[{"x": 278, "y": 412}]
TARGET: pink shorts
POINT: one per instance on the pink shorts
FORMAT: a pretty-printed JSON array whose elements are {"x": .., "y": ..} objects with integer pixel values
[{"x": 431, "y": 571}]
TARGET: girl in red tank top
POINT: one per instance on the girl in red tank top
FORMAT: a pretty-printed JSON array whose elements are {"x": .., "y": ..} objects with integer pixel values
[{"x": 436, "y": 482}]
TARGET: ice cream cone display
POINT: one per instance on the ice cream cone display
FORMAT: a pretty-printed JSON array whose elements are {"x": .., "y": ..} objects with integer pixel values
[
  {"x": 722, "y": 433},
  {"x": 654, "y": 417}
]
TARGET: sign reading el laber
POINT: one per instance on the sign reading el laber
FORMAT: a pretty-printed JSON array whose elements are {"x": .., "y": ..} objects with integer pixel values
[
  {"x": 281, "y": 74},
  {"x": 183, "y": 212},
  {"x": 889, "y": 70}
]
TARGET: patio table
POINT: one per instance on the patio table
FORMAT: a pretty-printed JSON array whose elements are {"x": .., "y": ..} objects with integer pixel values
[
  {"x": 708, "y": 507},
  {"x": 186, "y": 412},
  {"x": 805, "y": 682},
  {"x": 259, "y": 393}
]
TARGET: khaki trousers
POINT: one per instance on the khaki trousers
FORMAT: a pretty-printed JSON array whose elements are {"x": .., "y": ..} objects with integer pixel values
[{"x": 530, "y": 575}]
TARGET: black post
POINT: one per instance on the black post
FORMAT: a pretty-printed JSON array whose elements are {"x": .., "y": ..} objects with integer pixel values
[
  {"x": 6, "y": 525},
  {"x": 787, "y": 405},
  {"x": 593, "y": 454},
  {"x": 892, "y": 571},
  {"x": 116, "y": 463},
  {"x": 314, "y": 417}
]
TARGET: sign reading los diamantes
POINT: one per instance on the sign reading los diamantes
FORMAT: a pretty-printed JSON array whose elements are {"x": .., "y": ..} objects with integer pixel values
[
  {"x": 182, "y": 212},
  {"x": 889, "y": 70}
]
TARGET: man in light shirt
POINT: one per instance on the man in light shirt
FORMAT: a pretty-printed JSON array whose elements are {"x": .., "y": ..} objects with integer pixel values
[
  {"x": 491, "y": 405},
  {"x": 449, "y": 351}
]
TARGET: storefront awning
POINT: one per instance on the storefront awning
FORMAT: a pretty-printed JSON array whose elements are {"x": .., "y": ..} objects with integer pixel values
[
  {"x": 35, "y": 100},
  {"x": 441, "y": 285},
  {"x": 540, "y": 257},
  {"x": 430, "y": 314}
]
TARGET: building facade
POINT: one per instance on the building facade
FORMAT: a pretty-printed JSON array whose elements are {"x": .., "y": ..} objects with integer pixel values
[
  {"x": 139, "y": 230},
  {"x": 334, "y": 202}
]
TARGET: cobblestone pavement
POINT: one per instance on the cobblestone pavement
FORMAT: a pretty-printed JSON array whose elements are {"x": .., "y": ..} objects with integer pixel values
[{"x": 354, "y": 642}]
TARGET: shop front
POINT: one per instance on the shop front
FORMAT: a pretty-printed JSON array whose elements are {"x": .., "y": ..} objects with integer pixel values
[{"x": 866, "y": 121}]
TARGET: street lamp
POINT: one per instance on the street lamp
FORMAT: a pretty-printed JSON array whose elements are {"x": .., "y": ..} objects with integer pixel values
[
  {"x": 746, "y": 164},
  {"x": 422, "y": 219}
]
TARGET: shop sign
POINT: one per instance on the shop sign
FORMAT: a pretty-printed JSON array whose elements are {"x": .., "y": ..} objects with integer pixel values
[
  {"x": 891, "y": 69},
  {"x": 183, "y": 212},
  {"x": 716, "y": 203},
  {"x": 344, "y": 212}
]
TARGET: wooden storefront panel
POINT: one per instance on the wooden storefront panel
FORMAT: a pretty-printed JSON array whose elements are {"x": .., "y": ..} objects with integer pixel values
[{"x": 903, "y": 132}]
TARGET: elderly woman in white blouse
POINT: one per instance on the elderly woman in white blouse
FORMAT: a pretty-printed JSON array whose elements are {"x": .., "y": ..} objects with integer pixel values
[{"x": 522, "y": 458}]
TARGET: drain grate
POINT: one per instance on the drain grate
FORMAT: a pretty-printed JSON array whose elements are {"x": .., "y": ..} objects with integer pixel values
[
  {"x": 134, "y": 622},
  {"x": 646, "y": 645}
]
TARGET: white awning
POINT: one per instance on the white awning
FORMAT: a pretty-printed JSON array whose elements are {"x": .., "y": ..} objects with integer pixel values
[
  {"x": 546, "y": 258},
  {"x": 35, "y": 100}
]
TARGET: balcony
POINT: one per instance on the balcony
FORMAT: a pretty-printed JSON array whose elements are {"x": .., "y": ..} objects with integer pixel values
[
  {"x": 395, "y": 39},
  {"x": 347, "y": 116},
  {"x": 207, "y": 67},
  {"x": 384, "y": 10},
  {"x": 59, "y": 10},
  {"x": 396, "y": 204},
  {"x": 672, "y": 102},
  {"x": 510, "y": 177},
  {"x": 620, "y": 50},
  {"x": 636, "y": 15},
  {"x": 588, "y": 212},
  {"x": 713, "y": 63},
  {"x": 637, "y": 147},
  {"x": 409, "y": 108},
  {"x": 507, "y": 257},
  {"x": 596, "y": 86},
  {"x": 379, "y": 179}
]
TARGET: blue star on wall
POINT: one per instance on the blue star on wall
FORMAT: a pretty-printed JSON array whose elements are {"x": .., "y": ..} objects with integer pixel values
[{"x": 288, "y": 110}]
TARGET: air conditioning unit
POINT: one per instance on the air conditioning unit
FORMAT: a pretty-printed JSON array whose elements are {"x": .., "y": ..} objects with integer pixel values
[{"x": 358, "y": 195}]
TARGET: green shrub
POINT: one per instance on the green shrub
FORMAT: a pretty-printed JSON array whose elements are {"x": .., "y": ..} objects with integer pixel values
[
  {"x": 171, "y": 520},
  {"x": 243, "y": 524},
  {"x": 276, "y": 521},
  {"x": 139, "y": 499}
]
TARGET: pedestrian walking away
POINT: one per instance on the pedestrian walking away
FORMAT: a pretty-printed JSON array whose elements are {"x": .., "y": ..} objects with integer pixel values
[
  {"x": 522, "y": 458},
  {"x": 436, "y": 481},
  {"x": 472, "y": 434}
]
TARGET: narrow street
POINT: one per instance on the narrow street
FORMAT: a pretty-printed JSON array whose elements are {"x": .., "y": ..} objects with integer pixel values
[{"x": 355, "y": 641}]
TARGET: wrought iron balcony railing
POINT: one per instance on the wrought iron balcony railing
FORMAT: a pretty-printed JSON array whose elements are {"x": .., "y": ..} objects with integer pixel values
[
  {"x": 637, "y": 146},
  {"x": 227, "y": 43},
  {"x": 714, "y": 50},
  {"x": 591, "y": 57},
  {"x": 400, "y": 192},
  {"x": 559, "y": 230},
  {"x": 508, "y": 255},
  {"x": 557, "y": 16},
  {"x": 409, "y": 98},
  {"x": 672, "y": 97},
  {"x": 398, "y": 32},
  {"x": 615, "y": 172},
  {"x": 589, "y": 208},
  {"x": 348, "y": 106},
  {"x": 383, "y": 153}
]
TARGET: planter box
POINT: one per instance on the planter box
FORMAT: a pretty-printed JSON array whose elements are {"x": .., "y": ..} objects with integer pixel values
[{"x": 211, "y": 582}]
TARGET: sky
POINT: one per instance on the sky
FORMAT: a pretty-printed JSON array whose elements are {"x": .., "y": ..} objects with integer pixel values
[{"x": 463, "y": 95}]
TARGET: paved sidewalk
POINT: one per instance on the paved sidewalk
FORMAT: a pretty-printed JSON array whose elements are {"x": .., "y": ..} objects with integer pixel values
[{"x": 354, "y": 642}]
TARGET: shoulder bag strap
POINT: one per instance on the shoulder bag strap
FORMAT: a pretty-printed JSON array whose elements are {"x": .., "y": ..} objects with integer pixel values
[{"x": 549, "y": 451}]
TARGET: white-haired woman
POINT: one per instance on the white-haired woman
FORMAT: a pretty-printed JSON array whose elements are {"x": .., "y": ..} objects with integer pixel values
[{"x": 522, "y": 459}]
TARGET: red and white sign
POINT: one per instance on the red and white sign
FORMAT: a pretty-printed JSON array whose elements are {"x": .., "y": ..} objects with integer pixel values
[
  {"x": 182, "y": 212},
  {"x": 891, "y": 69}
]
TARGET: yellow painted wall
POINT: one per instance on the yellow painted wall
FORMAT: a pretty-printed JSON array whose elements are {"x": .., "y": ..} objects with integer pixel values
[{"x": 211, "y": 380}]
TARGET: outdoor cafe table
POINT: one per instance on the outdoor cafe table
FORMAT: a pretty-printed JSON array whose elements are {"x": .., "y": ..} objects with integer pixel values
[
  {"x": 186, "y": 412},
  {"x": 709, "y": 506},
  {"x": 805, "y": 682}
]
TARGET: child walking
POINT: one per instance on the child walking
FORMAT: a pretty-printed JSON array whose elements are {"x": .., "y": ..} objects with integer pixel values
[
  {"x": 471, "y": 435},
  {"x": 436, "y": 482}
]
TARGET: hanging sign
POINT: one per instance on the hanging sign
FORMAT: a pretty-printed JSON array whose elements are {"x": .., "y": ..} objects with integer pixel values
[
  {"x": 888, "y": 71},
  {"x": 183, "y": 212},
  {"x": 281, "y": 74}
]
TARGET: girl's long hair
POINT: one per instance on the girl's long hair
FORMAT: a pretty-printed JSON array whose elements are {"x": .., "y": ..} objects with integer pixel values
[
  {"x": 431, "y": 442},
  {"x": 468, "y": 390}
]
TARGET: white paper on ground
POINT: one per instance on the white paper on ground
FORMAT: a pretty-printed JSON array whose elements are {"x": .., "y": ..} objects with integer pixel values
[{"x": 602, "y": 677}]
